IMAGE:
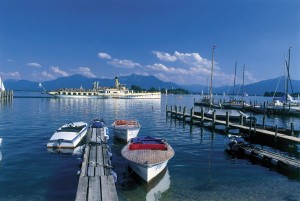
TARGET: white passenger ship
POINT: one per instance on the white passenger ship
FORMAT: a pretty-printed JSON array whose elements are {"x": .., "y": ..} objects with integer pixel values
[{"x": 118, "y": 92}]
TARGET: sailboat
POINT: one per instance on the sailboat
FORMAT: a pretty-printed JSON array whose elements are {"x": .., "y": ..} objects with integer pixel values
[
  {"x": 234, "y": 103},
  {"x": 286, "y": 104},
  {"x": 221, "y": 113},
  {"x": 2, "y": 88},
  {"x": 207, "y": 101}
]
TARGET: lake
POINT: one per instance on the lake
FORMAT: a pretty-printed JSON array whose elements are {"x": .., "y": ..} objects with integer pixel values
[{"x": 200, "y": 169}]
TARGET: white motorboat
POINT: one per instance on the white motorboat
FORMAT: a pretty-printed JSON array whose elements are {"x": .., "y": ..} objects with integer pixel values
[
  {"x": 126, "y": 129},
  {"x": 68, "y": 135},
  {"x": 147, "y": 156}
]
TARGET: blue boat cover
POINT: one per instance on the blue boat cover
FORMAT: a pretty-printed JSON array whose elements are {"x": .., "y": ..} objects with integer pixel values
[
  {"x": 98, "y": 124},
  {"x": 147, "y": 140}
]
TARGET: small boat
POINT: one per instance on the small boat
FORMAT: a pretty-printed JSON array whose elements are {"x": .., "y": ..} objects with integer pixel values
[
  {"x": 126, "y": 129},
  {"x": 147, "y": 156},
  {"x": 234, "y": 115},
  {"x": 232, "y": 142},
  {"x": 68, "y": 135},
  {"x": 0, "y": 141}
]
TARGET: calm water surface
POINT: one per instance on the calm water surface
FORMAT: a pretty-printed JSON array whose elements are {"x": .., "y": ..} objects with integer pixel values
[{"x": 200, "y": 169}]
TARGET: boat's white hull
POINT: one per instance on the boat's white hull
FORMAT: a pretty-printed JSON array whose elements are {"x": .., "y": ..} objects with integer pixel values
[
  {"x": 66, "y": 140},
  {"x": 126, "y": 134},
  {"x": 148, "y": 172},
  {"x": 77, "y": 95}
]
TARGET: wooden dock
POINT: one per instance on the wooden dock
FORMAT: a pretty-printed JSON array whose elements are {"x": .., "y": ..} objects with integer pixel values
[
  {"x": 6, "y": 95},
  {"x": 276, "y": 160},
  {"x": 199, "y": 119},
  {"x": 95, "y": 180}
]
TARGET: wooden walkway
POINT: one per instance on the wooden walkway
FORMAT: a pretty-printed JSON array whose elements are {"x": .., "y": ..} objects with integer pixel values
[
  {"x": 95, "y": 180},
  {"x": 199, "y": 119},
  {"x": 271, "y": 158}
]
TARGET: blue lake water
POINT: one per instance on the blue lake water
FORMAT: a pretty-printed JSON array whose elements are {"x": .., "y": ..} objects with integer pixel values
[{"x": 200, "y": 169}]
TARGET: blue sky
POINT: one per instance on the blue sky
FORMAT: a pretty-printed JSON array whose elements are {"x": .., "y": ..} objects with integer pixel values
[{"x": 170, "y": 39}]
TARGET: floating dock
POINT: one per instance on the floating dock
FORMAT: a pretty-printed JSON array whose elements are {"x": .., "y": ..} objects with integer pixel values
[{"x": 96, "y": 181}]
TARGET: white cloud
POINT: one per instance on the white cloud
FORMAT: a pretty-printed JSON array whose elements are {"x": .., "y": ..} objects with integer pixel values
[
  {"x": 34, "y": 65},
  {"x": 57, "y": 70},
  {"x": 104, "y": 55},
  {"x": 86, "y": 71},
  {"x": 46, "y": 75},
  {"x": 13, "y": 75},
  {"x": 124, "y": 63},
  {"x": 164, "y": 56}
]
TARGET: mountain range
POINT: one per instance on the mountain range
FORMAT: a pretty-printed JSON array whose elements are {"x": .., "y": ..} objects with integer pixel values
[{"x": 147, "y": 82}]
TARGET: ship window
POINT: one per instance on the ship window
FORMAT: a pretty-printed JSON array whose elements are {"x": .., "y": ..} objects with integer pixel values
[
  {"x": 84, "y": 94},
  {"x": 69, "y": 93}
]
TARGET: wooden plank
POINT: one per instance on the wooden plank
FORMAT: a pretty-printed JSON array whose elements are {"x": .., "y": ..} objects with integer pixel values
[
  {"x": 108, "y": 188},
  {"x": 94, "y": 135},
  {"x": 85, "y": 161},
  {"x": 100, "y": 160},
  {"x": 94, "y": 193},
  {"x": 82, "y": 189}
]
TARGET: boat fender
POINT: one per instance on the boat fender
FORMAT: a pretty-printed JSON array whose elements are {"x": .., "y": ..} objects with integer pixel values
[
  {"x": 115, "y": 176},
  {"x": 248, "y": 152},
  {"x": 260, "y": 156}
]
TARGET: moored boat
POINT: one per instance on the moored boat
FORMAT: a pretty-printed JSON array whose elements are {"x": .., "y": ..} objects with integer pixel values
[
  {"x": 147, "y": 156},
  {"x": 232, "y": 142},
  {"x": 126, "y": 129},
  {"x": 68, "y": 135},
  {"x": 234, "y": 115},
  {"x": 121, "y": 92}
]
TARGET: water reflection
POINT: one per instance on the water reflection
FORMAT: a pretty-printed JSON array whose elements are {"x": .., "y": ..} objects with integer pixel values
[
  {"x": 137, "y": 189},
  {"x": 77, "y": 151}
]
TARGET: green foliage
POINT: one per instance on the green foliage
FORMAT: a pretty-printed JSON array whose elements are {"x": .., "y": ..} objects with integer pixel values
[{"x": 275, "y": 94}]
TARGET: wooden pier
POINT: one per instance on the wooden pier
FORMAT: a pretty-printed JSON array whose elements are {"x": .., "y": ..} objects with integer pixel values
[
  {"x": 199, "y": 119},
  {"x": 272, "y": 138},
  {"x": 268, "y": 158},
  {"x": 95, "y": 180},
  {"x": 6, "y": 95}
]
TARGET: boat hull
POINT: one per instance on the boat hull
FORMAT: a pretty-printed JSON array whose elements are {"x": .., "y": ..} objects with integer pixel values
[
  {"x": 126, "y": 133},
  {"x": 148, "y": 172},
  {"x": 67, "y": 140}
]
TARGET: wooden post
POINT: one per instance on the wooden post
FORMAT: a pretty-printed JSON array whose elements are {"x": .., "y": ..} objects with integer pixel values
[
  {"x": 241, "y": 120},
  {"x": 264, "y": 120},
  {"x": 250, "y": 127},
  {"x": 192, "y": 115},
  {"x": 227, "y": 120},
  {"x": 275, "y": 138},
  {"x": 180, "y": 108},
  {"x": 292, "y": 129},
  {"x": 183, "y": 114},
  {"x": 214, "y": 119},
  {"x": 202, "y": 116},
  {"x": 166, "y": 110}
]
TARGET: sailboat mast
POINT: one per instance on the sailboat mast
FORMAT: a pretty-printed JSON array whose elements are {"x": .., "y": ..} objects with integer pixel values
[
  {"x": 287, "y": 77},
  {"x": 243, "y": 81},
  {"x": 211, "y": 75},
  {"x": 234, "y": 79}
]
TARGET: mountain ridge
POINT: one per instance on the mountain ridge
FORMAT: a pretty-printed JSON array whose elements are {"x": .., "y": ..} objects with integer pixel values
[{"x": 147, "y": 82}]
